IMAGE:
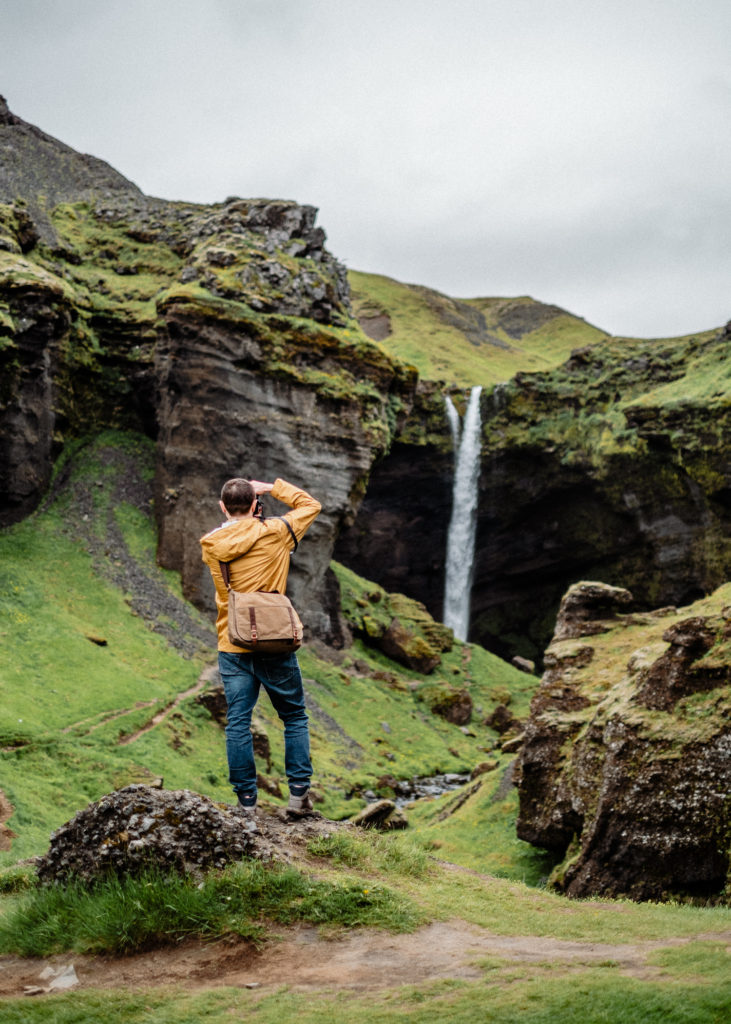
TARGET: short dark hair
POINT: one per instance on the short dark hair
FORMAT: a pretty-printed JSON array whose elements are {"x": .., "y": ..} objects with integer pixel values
[{"x": 237, "y": 496}]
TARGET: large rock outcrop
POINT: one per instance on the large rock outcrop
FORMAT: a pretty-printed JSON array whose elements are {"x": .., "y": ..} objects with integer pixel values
[
  {"x": 222, "y": 331},
  {"x": 142, "y": 827},
  {"x": 625, "y": 768}
]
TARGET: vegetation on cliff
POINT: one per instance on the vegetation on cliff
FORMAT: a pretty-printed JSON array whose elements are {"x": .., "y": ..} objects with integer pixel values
[{"x": 625, "y": 770}]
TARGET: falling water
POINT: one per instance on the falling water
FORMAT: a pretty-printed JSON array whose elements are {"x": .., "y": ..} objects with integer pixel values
[{"x": 462, "y": 525}]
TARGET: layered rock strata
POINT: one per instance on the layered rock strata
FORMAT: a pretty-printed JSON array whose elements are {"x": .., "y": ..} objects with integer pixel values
[
  {"x": 613, "y": 466},
  {"x": 223, "y": 331}
]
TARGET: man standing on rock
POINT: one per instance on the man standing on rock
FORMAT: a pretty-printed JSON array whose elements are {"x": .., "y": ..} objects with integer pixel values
[{"x": 259, "y": 551}]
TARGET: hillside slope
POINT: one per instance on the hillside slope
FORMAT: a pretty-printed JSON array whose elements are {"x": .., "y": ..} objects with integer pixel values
[
  {"x": 102, "y": 662},
  {"x": 463, "y": 342}
]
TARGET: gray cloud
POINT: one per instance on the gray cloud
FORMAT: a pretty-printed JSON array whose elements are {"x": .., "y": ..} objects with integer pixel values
[{"x": 576, "y": 152}]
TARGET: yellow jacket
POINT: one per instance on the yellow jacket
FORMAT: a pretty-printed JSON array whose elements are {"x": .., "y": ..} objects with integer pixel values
[{"x": 267, "y": 545}]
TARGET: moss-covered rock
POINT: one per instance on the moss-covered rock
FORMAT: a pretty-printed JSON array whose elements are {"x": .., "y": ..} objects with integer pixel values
[
  {"x": 625, "y": 769},
  {"x": 394, "y": 624}
]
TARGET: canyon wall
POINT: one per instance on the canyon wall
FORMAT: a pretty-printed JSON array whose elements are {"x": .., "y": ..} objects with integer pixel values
[{"x": 612, "y": 467}]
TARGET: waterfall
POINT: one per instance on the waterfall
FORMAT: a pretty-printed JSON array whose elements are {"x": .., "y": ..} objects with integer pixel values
[{"x": 463, "y": 523}]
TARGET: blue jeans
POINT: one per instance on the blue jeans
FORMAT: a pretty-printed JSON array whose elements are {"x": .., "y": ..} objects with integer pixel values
[{"x": 279, "y": 674}]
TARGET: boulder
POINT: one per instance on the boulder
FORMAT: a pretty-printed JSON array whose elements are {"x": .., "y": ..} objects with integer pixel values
[
  {"x": 501, "y": 719},
  {"x": 138, "y": 827},
  {"x": 588, "y": 608},
  {"x": 625, "y": 768},
  {"x": 452, "y": 705},
  {"x": 382, "y": 815},
  {"x": 400, "y": 627}
]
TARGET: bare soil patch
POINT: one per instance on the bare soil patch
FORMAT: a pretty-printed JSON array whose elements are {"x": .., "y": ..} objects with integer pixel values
[
  {"x": 6, "y": 833},
  {"x": 302, "y": 959}
]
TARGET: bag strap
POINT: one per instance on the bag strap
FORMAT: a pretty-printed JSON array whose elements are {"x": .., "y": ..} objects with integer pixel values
[
  {"x": 296, "y": 542},
  {"x": 224, "y": 565}
]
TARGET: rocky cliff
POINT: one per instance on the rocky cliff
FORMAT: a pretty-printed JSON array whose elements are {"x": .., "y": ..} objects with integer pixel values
[
  {"x": 625, "y": 770},
  {"x": 223, "y": 331},
  {"x": 613, "y": 466},
  {"x": 226, "y": 332}
]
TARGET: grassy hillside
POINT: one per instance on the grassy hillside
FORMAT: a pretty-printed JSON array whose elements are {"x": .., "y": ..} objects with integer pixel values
[
  {"x": 81, "y": 678},
  {"x": 469, "y": 341},
  {"x": 99, "y": 651}
]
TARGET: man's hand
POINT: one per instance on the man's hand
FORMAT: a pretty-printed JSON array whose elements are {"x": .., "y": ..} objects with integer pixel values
[{"x": 260, "y": 487}]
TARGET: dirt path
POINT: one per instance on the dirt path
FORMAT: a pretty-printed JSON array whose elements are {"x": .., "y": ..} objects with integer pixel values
[
  {"x": 6, "y": 811},
  {"x": 359, "y": 960},
  {"x": 205, "y": 677},
  {"x": 105, "y": 717}
]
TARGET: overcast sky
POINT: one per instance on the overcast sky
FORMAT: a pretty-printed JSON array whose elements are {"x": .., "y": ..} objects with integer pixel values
[{"x": 574, "y": 151}]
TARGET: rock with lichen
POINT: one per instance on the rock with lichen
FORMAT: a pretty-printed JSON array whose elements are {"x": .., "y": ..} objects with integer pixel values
[
  {"x": 396, "y": 625},
  {"x": 139, "y": 827}
]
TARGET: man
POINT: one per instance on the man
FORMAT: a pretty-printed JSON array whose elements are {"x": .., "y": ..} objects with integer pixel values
[{"x": 258, "y": 551}]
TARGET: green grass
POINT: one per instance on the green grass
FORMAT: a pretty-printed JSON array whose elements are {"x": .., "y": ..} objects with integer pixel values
[
  {"x": 428, "y": 331},
  {"x": 397, "y": 853},
  {"x": 67, "y": 702},
  {"x": 123, "y": 915}
]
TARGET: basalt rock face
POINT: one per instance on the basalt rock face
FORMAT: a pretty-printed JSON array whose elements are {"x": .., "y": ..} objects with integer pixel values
[
  {"x": 613, "y": 467},
  {"x": 223, "y": 331},
  {"x": 399, "y": 537},
  {"x": 625, "y": 767},
  {"x": 228, "y": 408}
]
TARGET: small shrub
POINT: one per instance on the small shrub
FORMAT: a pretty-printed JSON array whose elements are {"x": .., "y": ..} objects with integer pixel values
[{"x": 15, "y": 880}]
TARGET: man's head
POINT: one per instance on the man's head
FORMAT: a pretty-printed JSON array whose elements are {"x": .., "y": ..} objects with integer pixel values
[{"x": 237, "y": 497}]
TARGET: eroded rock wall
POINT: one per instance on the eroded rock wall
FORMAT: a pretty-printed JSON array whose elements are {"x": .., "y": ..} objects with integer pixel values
[
  {"x": 625, "y": 769},
  {"x": 224, "y": 413},
  {"x": 222, "y": 331},
  {"x": 613, "y": 467}
]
